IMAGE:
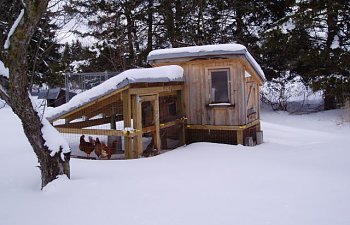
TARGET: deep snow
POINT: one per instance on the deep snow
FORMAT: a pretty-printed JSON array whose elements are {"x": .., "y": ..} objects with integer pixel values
[{"x": 299, "y": 176}]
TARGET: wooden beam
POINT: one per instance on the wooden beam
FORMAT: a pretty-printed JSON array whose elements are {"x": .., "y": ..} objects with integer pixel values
[
  {"x": 161, "y": 126},
  {"x": 157, "y": 140},
  {"x": 217, "y": 127},
  {"x": 137, "y": 124},
  {"x": 94, "y": 109},
  {"x": 96, "y": 132},
  {"x": 240, "y": 137},
  {"x": 110, "y": 109},
  {"x": 153, "y": 90},
  {"x": 148, "y": 98},
  {"x": 127, "y": 123},
  {"x": 89, "y": 123},
  {"x": 102, "y": 98},
  {"x": 180, "y": 110}
]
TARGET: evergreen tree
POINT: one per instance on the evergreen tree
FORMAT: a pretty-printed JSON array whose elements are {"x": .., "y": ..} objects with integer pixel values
[{"x": 44, "y": 58}]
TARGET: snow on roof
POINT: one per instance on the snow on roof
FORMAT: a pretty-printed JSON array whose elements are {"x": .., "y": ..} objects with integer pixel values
[
  {"x": 149, "y": 75},
  {"x": 206, "y": 50}
]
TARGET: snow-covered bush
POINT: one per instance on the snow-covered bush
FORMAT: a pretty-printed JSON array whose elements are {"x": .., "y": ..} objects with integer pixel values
[{"x": 280, "y": 91}]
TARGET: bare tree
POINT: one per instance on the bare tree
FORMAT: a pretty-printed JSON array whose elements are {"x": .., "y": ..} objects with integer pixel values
[{"x": 14, "y": 86}]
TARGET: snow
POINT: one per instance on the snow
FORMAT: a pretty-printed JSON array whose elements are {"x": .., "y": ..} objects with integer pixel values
[
  {"x": 158, "y": 74},
  {"x": 220, "y": 104},
  {"x": 13, "y": 29},
  {"x": 206, "y": 50},
  {"x": 335, "y": 43},
  {"x": 300, "y": 175},
  {"x": 53, "y": 139},
  {"x": 4, "y": 70},
  {"x": 247, "y": 74}
]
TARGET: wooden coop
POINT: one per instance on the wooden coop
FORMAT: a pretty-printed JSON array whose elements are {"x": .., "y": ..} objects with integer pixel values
[
  {"x": 138, "y": 112},
  {"x": 193, "y": 94},
  {"x": 221, "y": 92}
]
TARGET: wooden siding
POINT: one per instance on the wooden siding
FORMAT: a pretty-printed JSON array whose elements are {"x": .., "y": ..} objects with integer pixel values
[{"x": 197, "y": 92}]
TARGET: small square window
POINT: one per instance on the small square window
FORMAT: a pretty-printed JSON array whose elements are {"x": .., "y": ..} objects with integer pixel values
[{"x": 219, "y": 86}]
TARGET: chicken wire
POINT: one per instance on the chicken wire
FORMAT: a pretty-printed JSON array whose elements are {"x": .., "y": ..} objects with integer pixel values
[{"x": 80, "y": 82}]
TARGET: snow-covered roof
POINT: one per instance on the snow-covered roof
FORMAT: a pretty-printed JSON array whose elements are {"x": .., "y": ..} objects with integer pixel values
[
  {"x": 145, "y": 75},
  {"x": 206, "y": 50}
]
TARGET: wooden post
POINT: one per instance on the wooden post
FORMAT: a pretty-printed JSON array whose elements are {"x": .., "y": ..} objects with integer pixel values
[
  {"x": 157, "y": 140},
  {"x": 113, "y": 119},
  {"x": 127, "y": 123},
  {"x": 240, "y": 137},
  {"x": 181, "y": 112},
  {"x": 137, "y": 124}
]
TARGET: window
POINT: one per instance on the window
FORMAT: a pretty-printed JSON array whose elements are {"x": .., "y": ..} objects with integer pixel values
[{"x": 219, "y": 86}]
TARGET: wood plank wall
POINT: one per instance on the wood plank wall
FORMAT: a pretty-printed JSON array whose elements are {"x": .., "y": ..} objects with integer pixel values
[{"x": 197, "y": 90}]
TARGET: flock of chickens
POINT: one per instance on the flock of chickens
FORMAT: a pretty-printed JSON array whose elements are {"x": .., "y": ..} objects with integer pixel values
[{"x": 101, "y": 149}]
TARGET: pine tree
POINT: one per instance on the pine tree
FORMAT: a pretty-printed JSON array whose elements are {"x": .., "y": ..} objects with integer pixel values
[{"x": 44, "y": 58}]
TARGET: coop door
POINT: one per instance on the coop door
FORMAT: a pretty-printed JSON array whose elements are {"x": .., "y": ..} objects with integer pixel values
[
  {"x": 147, "y": 114},
  {"x": 150, "y": 119}
]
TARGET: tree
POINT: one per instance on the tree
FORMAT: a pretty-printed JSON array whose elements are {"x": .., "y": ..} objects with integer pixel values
[
  {"x": 325, "y": 63},
  {"x": 44, "y": 58},
  {"x": 14, "y": 83}
]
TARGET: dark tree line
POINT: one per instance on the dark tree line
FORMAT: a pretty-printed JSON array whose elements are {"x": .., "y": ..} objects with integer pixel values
[{"x": 306, "y": 38}]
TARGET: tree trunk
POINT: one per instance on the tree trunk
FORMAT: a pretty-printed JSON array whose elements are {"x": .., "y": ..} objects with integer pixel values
[
  {"x": 329, "y": 101},
  {"x": 15, "y": 93}
]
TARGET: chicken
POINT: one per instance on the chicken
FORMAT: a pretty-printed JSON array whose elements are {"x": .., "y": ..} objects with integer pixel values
[
  {"x": 85, "y": 146},
  {"x": 106, "y": 152},
  {"x": 98, "y": 147},
  {"x": 91, "y": 140}
]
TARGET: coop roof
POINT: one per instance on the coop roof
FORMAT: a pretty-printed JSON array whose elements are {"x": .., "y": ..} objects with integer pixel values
[
  {"x": 161, "y": 74},
  {"x": 205, "y": 51}
]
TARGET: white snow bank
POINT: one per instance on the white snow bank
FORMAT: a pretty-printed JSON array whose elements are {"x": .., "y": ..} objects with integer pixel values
[
  {"x": 206, "y": 50},
  {"x": 148, "y": 75},
  {"x": 299, "y": 176},
  {"x": 4, "y": 70}
]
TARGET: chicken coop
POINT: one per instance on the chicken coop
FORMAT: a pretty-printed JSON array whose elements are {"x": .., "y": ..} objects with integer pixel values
[
  {"x": 221, "y": 92},
  {"x": 192, "y": 94},
  {"x": 138, "y": 112}
]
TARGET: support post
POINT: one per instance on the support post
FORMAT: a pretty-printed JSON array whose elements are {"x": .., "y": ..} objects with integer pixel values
[
  {"x": 157, "y": 140},
  {"x": 137, "y": 124},
  {"x": 127, "y": 123},
  {"x": 181, "y": 112},
  {"x": 240, "y": 137},
  {"x": 113, "y": 119}
]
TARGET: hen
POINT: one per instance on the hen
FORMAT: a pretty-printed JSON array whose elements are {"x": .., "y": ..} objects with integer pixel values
[
  {"x": 106, "y": 152},
  {"x": 98, "y": 147},
  {"x": 85, "y": 146}
]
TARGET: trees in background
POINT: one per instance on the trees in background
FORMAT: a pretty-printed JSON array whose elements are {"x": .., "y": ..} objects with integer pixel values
[{"x": 288, "y": 38}]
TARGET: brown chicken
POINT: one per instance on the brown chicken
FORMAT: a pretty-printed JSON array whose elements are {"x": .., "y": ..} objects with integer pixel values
[
  {"x": 85, "y": 146},
  {"x": 91, "y": 140},
  {"x": 98, "y": 147},
  {"x": 106, "y": 152}
]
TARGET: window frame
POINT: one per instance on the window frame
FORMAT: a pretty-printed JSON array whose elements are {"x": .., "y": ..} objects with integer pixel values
[{"x": 228, "y": 73}]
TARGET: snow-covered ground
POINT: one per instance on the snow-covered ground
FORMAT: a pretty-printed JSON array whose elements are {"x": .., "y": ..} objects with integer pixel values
[{"x": 299, "y": 176}]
